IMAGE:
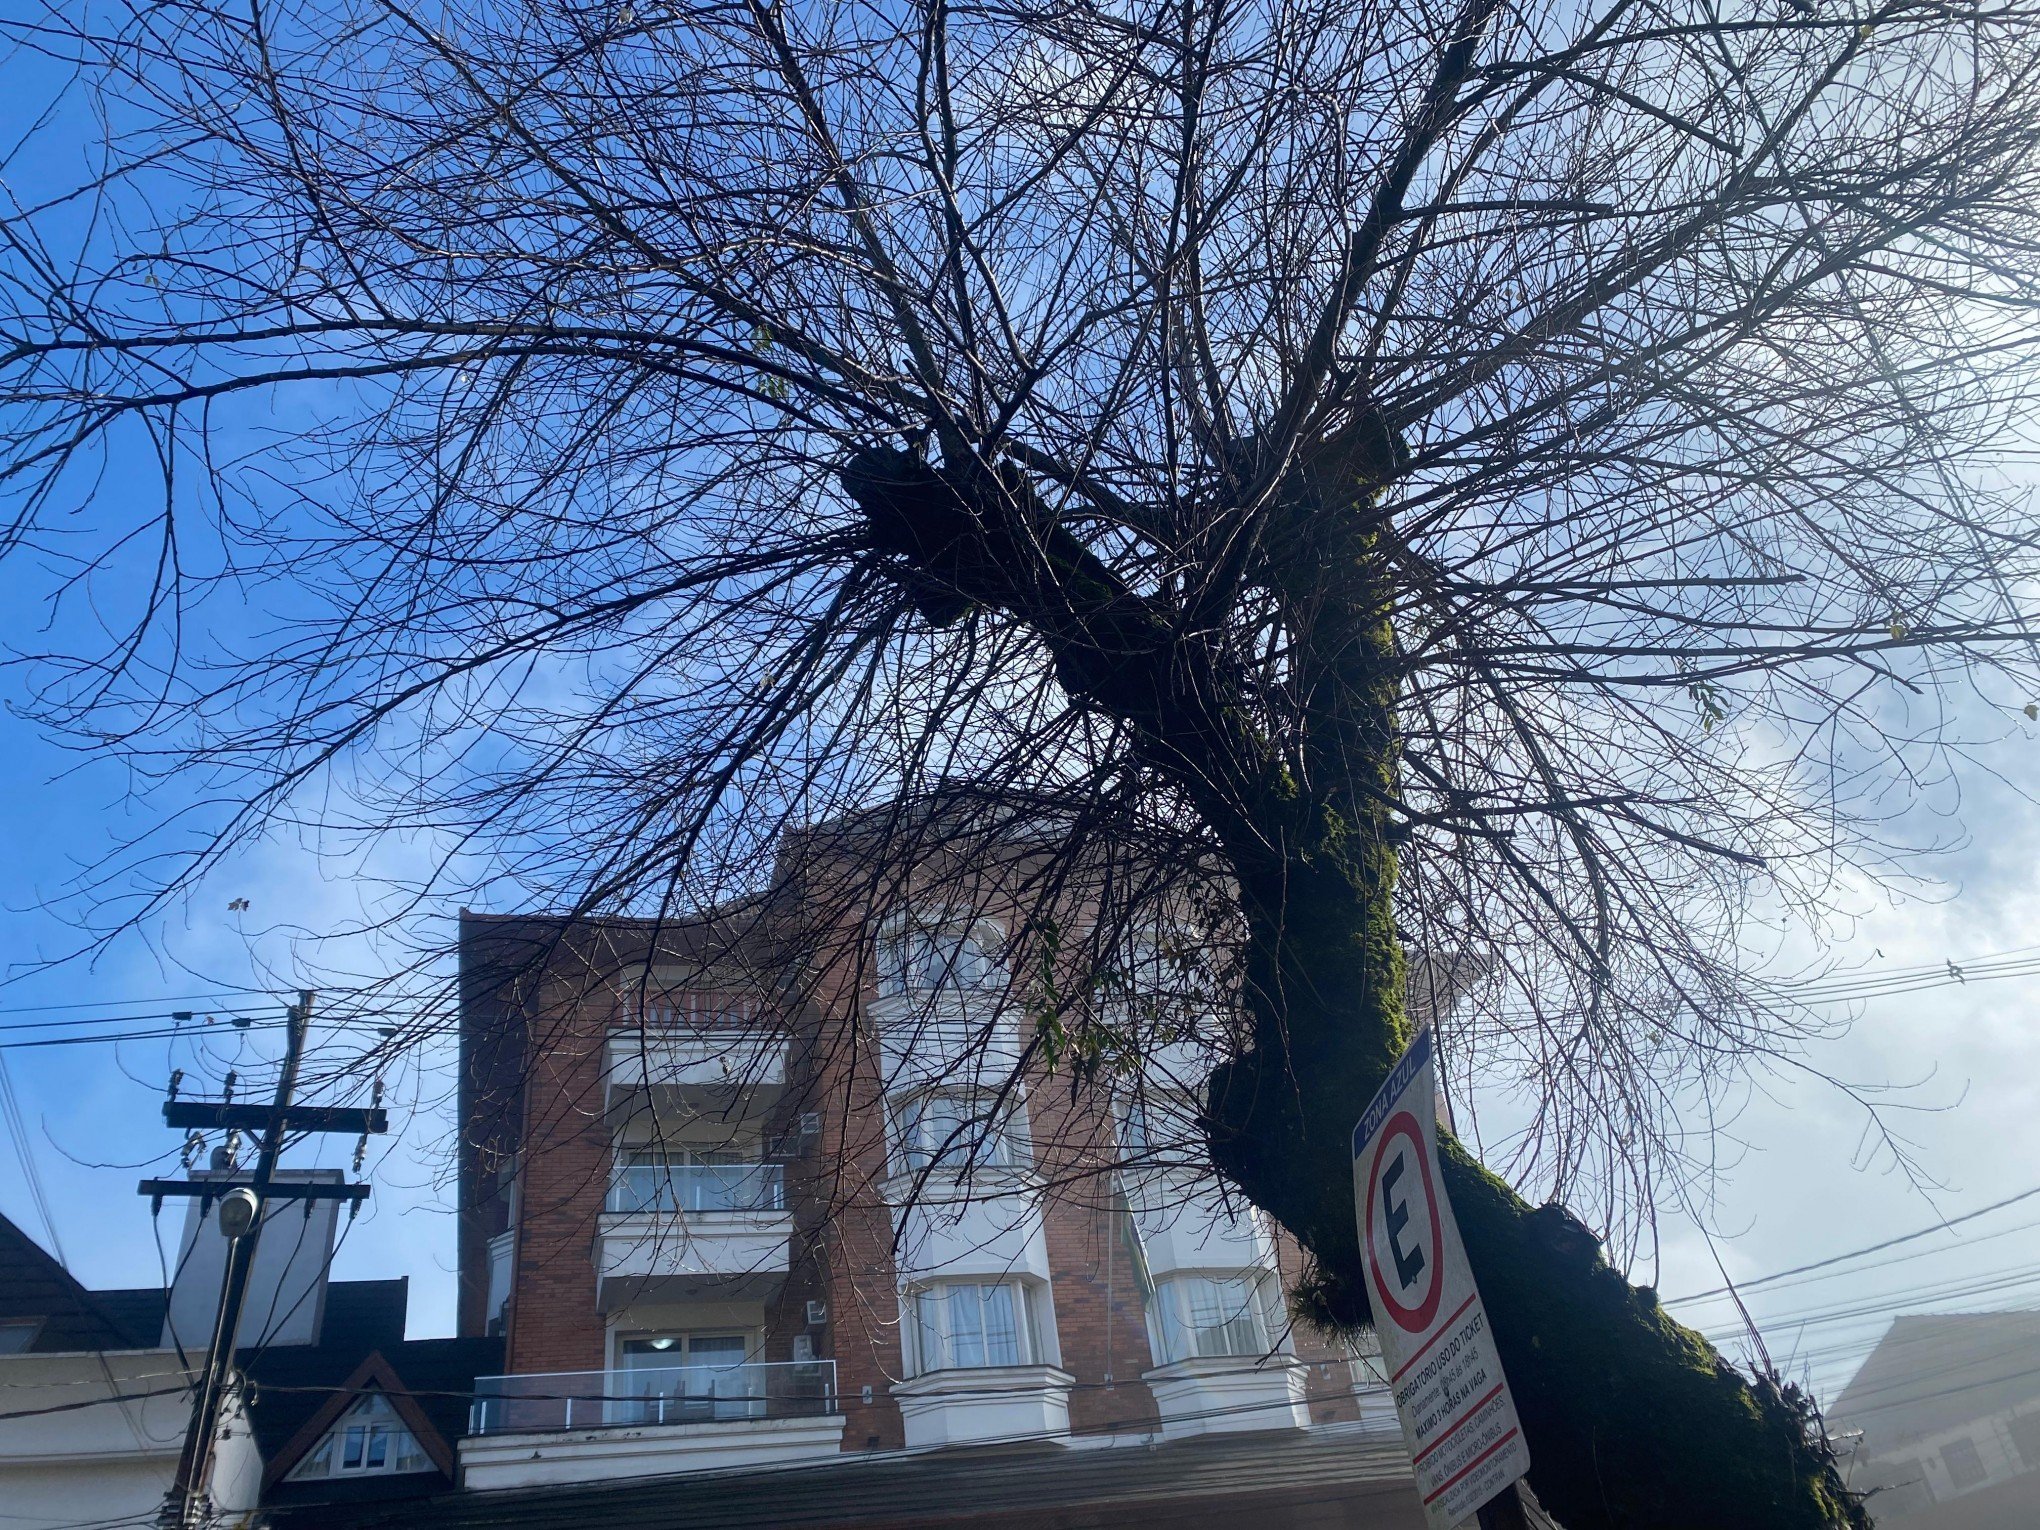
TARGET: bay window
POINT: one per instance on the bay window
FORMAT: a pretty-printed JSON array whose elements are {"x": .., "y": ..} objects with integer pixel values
[
  {"x": 1199, "y": 1316},
  {"x": 951, "y": 958},
  {"x": 952, "y": 1130},
  {"x": 967, "y": 1325}
]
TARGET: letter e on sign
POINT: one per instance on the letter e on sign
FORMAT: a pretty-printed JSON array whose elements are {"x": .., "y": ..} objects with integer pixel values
[
  {"x": 1405, "y": 1234},
  {"x": 1459, "y": 1421}
]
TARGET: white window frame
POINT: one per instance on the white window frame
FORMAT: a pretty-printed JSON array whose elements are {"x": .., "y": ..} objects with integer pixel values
[
  {"x": 1966, "y": 1446},
  {"x": 1247, "y": 1327},
  {"x": 993, "y": 1142},
  {"x": 327, "y": 1460},
  {"x": 932, "y": 1310},
  {"x": 937, "y": 952}
]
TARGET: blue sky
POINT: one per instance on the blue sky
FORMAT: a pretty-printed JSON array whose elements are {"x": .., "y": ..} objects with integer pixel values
[
  {"x": 1801, "y": 1179},
  {"x": 92, "y": 1111}
]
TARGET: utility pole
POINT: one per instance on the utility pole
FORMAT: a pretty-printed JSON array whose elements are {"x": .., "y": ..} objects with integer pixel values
[
  {"x": 244, "y": 1202},
  {"x": 1504, "y": 1511}
]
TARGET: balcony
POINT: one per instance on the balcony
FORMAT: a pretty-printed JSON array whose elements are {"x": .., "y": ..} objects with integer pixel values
[
  {"x": 587, "y": 1426},
  {"x": 679, "y": 1069},
  {"x": 697, "y": 1188},
  {"x": 693, "y": 1231}
]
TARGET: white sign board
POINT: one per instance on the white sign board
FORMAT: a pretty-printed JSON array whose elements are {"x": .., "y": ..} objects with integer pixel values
[{"x": 1446, "y": 1376}]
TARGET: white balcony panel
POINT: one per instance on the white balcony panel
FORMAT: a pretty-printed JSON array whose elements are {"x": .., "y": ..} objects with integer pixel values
[
  {"x": 651, "y": 1450},
  {"x": 665, "y": 1256},
  {"x": 925, "y": 1043},
  {"x": 1006, "y": 1403},
  {"x": 994, "y": 1237},
  {"x": 713, "y": 1068},
  {"x": 1227, "y": 1394},
  {"x": 1185, "y": 1226}
]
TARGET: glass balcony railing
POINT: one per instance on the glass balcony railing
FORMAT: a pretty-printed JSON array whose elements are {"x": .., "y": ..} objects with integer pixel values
[
  {"x": 699, "y": 1393},
  {"x": 698, "y": 1188}
]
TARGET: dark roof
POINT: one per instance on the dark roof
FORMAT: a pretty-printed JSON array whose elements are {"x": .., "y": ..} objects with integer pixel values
[
  {"x": 34, "y": 1285},
  {"x": 1185, "y": 1481},
  {"x": 360, "y": 1315},
  {"x": 138, "y": 1313},
  {"x": 293, "y": 1382},
  {"x": 1933, "y": 1373}
]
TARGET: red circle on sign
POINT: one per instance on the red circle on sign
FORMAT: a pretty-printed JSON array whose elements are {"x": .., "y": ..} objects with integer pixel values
[{"x": 1411, "y": 1319}]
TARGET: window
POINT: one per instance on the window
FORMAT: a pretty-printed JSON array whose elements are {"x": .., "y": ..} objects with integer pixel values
[
  {"x": 671, "y": 1179},
  {"x": 948, "y": 1129},
  {"x": 1965, "y": 1466},
  {"x": 17, "y": 1334},
  {"x": 1203, "y": 1315},
  {"x": 368, "y": 1441},
  {"x": 686, "y": 1378},
  {"x": 1369, "y": 1369},
  {"x": 965, "y": 1325},
  {"x": 2024, "y": 1428},
  {"x": 921, "y": 960}
]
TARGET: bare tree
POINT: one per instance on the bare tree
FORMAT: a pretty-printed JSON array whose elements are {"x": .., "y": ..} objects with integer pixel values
[{"x": 1510, "y": 478}]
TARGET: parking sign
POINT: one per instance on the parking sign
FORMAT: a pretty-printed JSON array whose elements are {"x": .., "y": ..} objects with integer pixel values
[{"x": 1446, "y": 1376}]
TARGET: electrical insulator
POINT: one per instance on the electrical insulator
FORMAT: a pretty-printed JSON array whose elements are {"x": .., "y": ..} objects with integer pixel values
[{"x": 176, "y": 1079}]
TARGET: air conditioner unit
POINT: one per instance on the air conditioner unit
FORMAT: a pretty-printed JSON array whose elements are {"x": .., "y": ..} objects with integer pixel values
[{"x": 817, "y": 1314}]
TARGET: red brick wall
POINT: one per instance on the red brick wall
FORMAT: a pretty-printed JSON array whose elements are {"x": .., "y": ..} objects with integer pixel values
[
  {"x": 839, "y": 1082},
  {"x": 1098, "y": 1311},
  {"x": 563, "y": 1175},
  {"x": 842, "y": 1252}
]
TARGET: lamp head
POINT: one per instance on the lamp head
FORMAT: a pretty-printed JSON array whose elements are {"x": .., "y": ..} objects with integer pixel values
[{"x": 238, "y": 1210}]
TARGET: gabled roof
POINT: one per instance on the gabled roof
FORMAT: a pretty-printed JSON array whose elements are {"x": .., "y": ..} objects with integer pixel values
[
  {"x": 372, "y": 1375},
  {"x": 1933, "y": 1373},
  {"x": 299, "y": 1392},
  {"x": 34, "y": 1285}
]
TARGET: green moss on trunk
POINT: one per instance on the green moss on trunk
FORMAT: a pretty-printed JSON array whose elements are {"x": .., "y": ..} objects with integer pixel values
[{"x": 1633, "y": 1422}]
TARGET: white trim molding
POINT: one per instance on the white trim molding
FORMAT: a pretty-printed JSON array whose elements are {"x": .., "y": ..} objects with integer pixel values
[
  {"x": 984, "y": 1405},
  {"x": 1223, "y": 1394}
]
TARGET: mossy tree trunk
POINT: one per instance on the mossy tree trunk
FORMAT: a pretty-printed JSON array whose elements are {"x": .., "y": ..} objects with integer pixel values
[{"x": 1633, "y": 1422}]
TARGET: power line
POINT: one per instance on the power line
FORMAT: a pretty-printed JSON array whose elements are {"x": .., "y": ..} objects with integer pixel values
[
  {"x": 24, "y": 1148},
  {"x": 1965, "y": 1246},
  {"x": 1858, "y": 1253},
  {"x": 249, "y": 995}
]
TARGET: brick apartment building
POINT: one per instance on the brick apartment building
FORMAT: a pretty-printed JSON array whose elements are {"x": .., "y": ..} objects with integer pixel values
[{"x": 796, "y": 1182}]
